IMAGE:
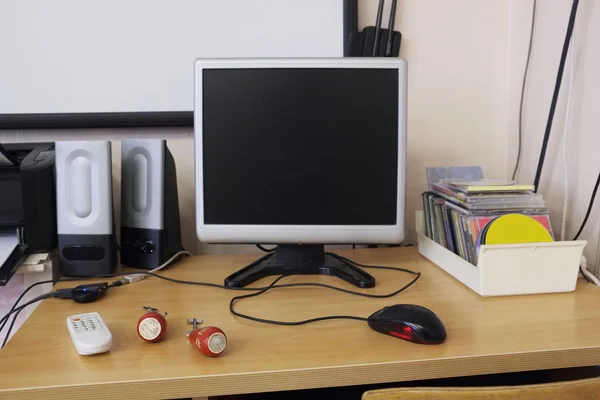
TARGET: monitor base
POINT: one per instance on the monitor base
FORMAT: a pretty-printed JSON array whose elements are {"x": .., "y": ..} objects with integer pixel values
[{"x": 301, "y": 260}]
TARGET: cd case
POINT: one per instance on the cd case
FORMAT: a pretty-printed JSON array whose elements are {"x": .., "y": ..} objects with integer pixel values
[
  {"x": 509, "y": 269},
  {"x": 457, "y": 228},
  {"x": 490, "y": 201}
]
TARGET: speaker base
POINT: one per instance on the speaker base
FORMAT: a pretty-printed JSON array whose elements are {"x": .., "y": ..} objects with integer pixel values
[
  {"x": 147, "y": 248},
  {"x": 86, "y": 255}
]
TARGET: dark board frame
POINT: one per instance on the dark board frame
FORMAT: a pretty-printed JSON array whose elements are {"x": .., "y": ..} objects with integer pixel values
[{"x": 136, "y": 119}]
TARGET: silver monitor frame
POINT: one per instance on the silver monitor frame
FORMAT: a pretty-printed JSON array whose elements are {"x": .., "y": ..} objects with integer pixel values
[{"x": 304, "y": 234}]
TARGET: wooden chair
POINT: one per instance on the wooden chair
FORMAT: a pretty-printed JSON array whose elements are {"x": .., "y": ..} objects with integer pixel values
[{"x": 585, "y": 389}]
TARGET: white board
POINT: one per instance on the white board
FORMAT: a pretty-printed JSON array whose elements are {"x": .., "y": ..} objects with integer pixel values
[{"x": 81, "y": 56}]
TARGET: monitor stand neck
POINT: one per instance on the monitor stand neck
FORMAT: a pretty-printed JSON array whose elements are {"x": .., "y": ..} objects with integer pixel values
[{"x": 301, "y": 260}]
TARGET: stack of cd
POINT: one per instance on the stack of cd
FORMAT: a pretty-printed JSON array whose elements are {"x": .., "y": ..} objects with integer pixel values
[{"x": 458, "y": 211}]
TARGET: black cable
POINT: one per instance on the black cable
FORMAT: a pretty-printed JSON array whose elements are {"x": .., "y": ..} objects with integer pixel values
[
  {"x": 559, "y": 75},
  {"x": 114, "y": 284},
  {"x": 265, "y": 249},
  {"x": 378, "y": 28},
  {"x": 257, "y": 290},
  {"x": 524, "y": 83},
  {"x": 285, "y": 323},
  {"x": 17, "y": 311},
  {"x": 390, "y": 38},
  {"x": 2, "y": 324},
  {"x": 329, "y": 317},
  {"x": 253, "y": 289},
  {"x": 589, "y": 209}
]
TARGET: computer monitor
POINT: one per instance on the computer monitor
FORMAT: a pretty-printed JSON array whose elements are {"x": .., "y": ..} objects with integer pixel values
[{"x": 300, "y": 153}]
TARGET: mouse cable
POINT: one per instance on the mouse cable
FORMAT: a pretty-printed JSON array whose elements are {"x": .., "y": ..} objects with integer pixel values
[
  {"x": 285, "y": 323},
  {"x": 326, "y": 318}
]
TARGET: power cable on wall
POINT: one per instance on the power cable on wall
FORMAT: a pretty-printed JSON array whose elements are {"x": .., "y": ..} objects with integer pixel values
[{"x": 523, "y": 86}]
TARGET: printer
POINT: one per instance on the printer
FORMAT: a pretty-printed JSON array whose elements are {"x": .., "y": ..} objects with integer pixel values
[{"x": 27, "y": 204}]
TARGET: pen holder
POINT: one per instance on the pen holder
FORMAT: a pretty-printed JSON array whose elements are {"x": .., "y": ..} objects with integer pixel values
[{"x": 509, "y": 269}]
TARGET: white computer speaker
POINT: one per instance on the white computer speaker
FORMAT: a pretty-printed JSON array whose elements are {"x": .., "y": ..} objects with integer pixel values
[
  {"x": 150, "y": 227},
  {"x": 86, "y": 237}
]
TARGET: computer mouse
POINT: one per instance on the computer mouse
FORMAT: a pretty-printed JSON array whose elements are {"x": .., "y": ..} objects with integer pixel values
[{"x": 409, "y": 322}]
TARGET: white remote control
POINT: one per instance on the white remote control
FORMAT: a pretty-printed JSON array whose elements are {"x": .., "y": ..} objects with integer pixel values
[{"x": 89, "y": 333}]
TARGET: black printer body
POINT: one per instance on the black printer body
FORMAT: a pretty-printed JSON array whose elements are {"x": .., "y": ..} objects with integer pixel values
[{"x": 27, "y": 202}]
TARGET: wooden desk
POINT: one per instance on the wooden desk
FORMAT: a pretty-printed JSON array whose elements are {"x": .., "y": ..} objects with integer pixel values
[{"x": 485, "y": 336}]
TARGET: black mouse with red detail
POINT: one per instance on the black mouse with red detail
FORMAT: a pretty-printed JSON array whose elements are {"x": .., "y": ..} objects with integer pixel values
[{"x": 409, "y": 322}]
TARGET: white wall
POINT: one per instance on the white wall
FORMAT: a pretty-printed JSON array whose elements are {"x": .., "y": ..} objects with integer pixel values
[
  {"x": 457, "y": 54},
  {"x": 138, "y": 55},
  {"x": 458, "y": 100},
  {"x": 582, "y": 149}
]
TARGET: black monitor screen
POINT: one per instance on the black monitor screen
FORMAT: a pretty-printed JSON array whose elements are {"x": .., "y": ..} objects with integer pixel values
[{"x": 300, "y": 146}]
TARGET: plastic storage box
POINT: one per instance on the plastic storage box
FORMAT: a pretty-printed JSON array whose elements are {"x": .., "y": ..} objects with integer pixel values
[{"x": 509, "y": 269}]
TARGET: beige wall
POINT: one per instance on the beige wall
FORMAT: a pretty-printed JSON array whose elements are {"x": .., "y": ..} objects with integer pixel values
[
  {"x": 582, "y": 150},
  {"x": 457, "y": 54},
  {"x": 458, "y": 100}
]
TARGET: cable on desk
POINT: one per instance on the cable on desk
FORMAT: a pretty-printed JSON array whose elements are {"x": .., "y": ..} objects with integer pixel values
[
  {"x": 66, "y": 293},
  {"x": 274, "y": 285},
  {"x": 257, "y": 289},
  {"x": 16, "y": 313},
  {"x": 2, "y": 324},
  {"x": 61, "y": 293},
  {"x": 247, "y": 289},
  {"x": 262, "y": 248},
  {"x": 286, "y": 323},
  {"x": 172, "y": 260}
]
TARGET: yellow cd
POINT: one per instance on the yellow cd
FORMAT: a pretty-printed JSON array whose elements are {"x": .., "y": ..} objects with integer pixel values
[{"x": 516, "y": 228}]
